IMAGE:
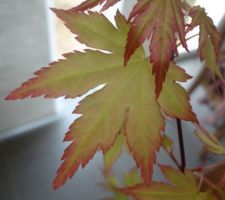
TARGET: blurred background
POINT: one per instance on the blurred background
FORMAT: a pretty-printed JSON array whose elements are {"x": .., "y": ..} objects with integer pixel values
[{"x": 32, "y": 130}]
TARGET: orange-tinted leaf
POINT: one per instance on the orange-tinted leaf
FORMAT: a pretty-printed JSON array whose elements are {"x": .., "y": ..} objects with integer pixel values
[
  {"x": 66, "y": 77},
  {"x": 182, "y": 186},
  {"x": 88, "y": 4},
  {"x": 173, "y": 99},
  {"x": 159, "y": 21},
  {"x": 209, "y": 38},
  {"x": 128, "y": 100},
  {"x": 127, "y": 103}
]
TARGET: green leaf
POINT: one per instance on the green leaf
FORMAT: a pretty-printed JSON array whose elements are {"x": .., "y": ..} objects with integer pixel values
[
  {"x": 182, "y": 186},
  {"x": 174, "y": 100},
  {"x": 212, "y": 144},
  {"x": 128, "y": 100},
  {"x": 111, "y": 185},
  {"x": 167, "y": 143},
  {"x": 113, "y": 154},
  {"x": 107, "y": 37},
  {"x": 132, "y": 178},
  {"x": 161, "y": 22},
  {"x": 126, "y": 104}
]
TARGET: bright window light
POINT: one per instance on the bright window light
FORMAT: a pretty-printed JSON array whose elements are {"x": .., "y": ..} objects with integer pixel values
[{"x": 215, "y": 9}]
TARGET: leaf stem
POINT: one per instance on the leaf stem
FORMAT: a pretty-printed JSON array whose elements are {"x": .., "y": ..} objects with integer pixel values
[
  {"x": 181, "y": 144},
  {"x": 174, "y": 160},
  {"x": 189, "y": 38}
]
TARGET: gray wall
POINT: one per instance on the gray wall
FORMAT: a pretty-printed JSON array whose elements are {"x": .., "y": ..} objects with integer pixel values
[{"x": 24, "y": 49}]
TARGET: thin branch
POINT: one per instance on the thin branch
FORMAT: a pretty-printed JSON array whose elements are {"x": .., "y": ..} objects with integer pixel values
[
  {"x": 174, "y": 160},
  {"x": 181, "y": 144},
  {"x": 189, "y": 38}
]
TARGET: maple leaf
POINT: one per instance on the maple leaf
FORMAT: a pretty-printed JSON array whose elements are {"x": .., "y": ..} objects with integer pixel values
[
  {"x": 182, "y": 186},
  {"x": 88, "y": 4},
  {"x": 107, "y": 37},
  {"x": 138, "y": 8},
  {"x": 126, "y": 104},
  {"x": 159, "y": 21},
  {"x": 113, "y": 154},
  {"x": 174, "y": 100},
  {"x": 209, "y": 38},
  {"x": 128, "y": 99}
]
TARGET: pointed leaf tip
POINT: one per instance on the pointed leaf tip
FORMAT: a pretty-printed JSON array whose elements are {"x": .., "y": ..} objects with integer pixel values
[
  {"x": 131, "y": 87},
  {"x": 88, "y": 4},
  {"x": 180, "y": 186},
  {"x": 160, "y": 22},
  {"x": 209, "y": 38},
  {"x": 173, "y": 98}
]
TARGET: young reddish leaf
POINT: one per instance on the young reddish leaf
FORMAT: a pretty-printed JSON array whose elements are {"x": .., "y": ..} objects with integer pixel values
[
  {"x": 209, "y": 38},
  {"x": 182, "y": 186},
  {"x": 139, "y": 7},
  {"x": 88, "y": 4},
  {"x": 128, "y": 100},
  {"x": 173, "y": 99},
  {"x": 108, "y": 4},
  {"x": 159, "y": 21},
  {"x": 113, "y": 153}
]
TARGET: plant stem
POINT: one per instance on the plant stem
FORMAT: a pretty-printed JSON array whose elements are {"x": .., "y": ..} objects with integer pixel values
[
  {"x": 181, "y": 143},
  {"x": 174, "y": 160},
  {"x": 189, "y": 38}
]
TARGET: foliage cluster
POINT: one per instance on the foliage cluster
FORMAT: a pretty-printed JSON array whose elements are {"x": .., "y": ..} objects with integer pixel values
[{"x": 139, "y": 94}]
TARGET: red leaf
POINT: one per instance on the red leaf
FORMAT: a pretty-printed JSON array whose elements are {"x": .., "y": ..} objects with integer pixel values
[
  {"x": 158, "y": 21},
  {"x": 209, "y": 38},
  {"x": 88, "y": 4}
]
